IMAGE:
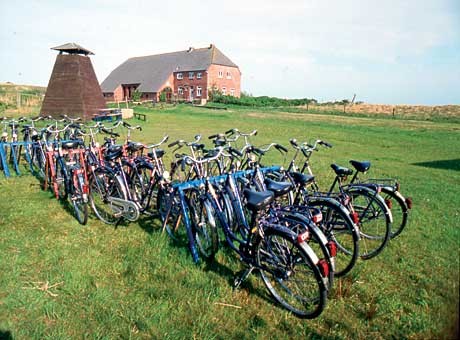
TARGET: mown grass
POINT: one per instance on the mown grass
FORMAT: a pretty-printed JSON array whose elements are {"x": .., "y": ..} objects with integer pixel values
[{"x": 132, "y": 282}]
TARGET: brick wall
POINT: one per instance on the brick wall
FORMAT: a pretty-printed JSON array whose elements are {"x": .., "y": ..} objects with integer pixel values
[
  {"x": 234, "y": 82},
  {"x": 191, "y": 85}
]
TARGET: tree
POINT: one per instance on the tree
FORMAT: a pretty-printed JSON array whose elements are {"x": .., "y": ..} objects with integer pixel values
[
  {"x": 344, "y": 103},
  {"x": 136, "y": 96}
]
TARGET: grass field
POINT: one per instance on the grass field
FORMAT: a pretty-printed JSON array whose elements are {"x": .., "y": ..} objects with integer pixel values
[{"x": 62, "y": 280}]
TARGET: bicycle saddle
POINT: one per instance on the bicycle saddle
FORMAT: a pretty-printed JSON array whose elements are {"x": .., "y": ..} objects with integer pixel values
[
  {"x": 361, "y": 166},
  {"x": 340, "y": 170},
  {"x": 159, "y": 152},
  {"x": 301, "y": 178},
  {"x": 278, "y": 188},
  {"x": 257, "y": 200}
]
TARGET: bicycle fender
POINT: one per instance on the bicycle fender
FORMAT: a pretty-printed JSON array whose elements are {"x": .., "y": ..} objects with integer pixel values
[{"x": 359, "y": 189}]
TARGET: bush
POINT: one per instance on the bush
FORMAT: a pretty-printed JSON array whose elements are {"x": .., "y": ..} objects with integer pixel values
[{"x": 263, "y": 101}]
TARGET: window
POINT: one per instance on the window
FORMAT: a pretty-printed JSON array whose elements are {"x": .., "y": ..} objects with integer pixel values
[
  {"x": 224, "y": 91},
  {"x": 229, "y": 75},
  {"x": 198, "y": 91},
  {"x": 191, "y": 75},
  {"x": 180, "y": 90},
  {"x": 198, "y": 75},
  {"x": 180, "y": 76},
  {"x": 232, "y": 92},
  {"x": 221, "y": 74}
]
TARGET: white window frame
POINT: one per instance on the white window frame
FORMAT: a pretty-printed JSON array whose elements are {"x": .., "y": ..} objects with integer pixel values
[
  {"x": 179, "y": 76},
  {"x": 198, "y": 75},
  {"x": 224, "y": 91},
  {"x": 229, "y": 75},
  {"x": 232, "y": 92},
  {"x": 180, "y": 91},
  {"x": 221, "y": 74},
  {"x": 191, "y": 75},
  {"x": 198, "y": 91}
]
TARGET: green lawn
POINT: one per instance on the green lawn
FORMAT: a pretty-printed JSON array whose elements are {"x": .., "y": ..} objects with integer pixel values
[{"x": 62, "y": 280}]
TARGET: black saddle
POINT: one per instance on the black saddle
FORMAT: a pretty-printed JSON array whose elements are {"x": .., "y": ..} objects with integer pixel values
[
  {"x": 134, "y": 146},
  {"x": 302, "y": 179},
  {"x": 361, "y": 166},
  {"x": 257, "y": 200},
  {"x": 114, "y": 152},
  {"x": 73, "y": 144},
  {"x": 341, "y": 171},
  {"x": 159, "y": 152},
  {"x": 278, "y": 188}
]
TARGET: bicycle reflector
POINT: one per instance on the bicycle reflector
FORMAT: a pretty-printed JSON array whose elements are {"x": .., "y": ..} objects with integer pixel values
[
  {"x": 323, "y": 268},
  {"x": 354, "y": 217},
  {"x": 303, "y": 237},
  {"x": 332, "y": 246},
  {"x": 316, "y": 215},
  {"x": 388, "y": 203},
  {"x": 409, "y": 202}
]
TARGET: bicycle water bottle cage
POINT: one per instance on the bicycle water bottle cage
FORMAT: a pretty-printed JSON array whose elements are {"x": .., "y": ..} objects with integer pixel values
[
  {"x": 341, "y": 171},
  {"x": 361, "y": 166},
  {"x": 257, "y": 200},
  {"x": 302, "y": 179},
  {"x": 278, "y": 188}
]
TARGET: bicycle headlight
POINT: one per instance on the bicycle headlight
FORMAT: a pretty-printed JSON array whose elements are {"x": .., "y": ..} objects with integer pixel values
[{"x": 166, "y": 175}]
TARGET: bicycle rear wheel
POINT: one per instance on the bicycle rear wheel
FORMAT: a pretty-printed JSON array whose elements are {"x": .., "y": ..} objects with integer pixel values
[
  {"x": 168, "y": 206},
  {"x": 374, "y": 222},
  {"x": 399, "y": 211},
  {"x": 290, "y": 274},
  {"x": 339, "y": 228}
]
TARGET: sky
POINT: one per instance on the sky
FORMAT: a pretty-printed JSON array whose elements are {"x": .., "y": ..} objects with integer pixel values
[{"x": 392, "y": 51}]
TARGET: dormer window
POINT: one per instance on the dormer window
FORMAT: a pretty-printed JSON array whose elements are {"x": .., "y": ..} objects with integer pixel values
[
  {"x": 191, "y": 75},
  {"x": 180, "y": 76}
]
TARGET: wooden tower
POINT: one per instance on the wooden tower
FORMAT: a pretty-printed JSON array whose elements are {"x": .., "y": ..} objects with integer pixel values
[{"x": 73, "y": 88}]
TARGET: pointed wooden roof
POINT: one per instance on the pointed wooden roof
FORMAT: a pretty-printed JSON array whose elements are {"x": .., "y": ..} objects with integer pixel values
[{"x": 72, "y": 48}]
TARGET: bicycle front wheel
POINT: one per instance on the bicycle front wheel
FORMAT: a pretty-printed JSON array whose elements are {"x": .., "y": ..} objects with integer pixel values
[
  {"x": 290, "y": 273},
  {"x": 399, "y": 210},
  {"x": 79, "y": 199}
]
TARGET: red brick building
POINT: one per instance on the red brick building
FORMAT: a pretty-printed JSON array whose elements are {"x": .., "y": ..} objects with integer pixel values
[{"x": 186, "y": 75}]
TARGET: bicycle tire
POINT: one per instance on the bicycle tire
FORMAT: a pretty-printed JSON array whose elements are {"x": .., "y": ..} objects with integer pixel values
[
  {"x": 168, "y": 207},
  {"x": 61, "y": 180},
  {"x": 78, "y": 200},
  {"x": 337, "y": 226},
  {"x": 399, "y": 211},
  {"x": 374, "y": 221},
  {"x": 290, "y": 273},
  {"x": 103, "y": 184},
  {"x": 203, "y": 224}
]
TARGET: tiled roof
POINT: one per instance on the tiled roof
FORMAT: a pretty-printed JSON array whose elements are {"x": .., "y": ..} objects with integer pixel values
[{"x": 151, "y": 72}]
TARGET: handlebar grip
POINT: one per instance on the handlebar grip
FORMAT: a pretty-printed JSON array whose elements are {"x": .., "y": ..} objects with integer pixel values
[
  {"x": 281, "y": 148},
  {"x": 293, "y": 142},
  {"x": 213, "y": 136},
  {"x": 235, "y": 152},
  {"x": 231, "y": 131},
  {"x": 126, "y": 124},
  {"x": 173, "y": 144},
  {"x": 182, "y": 164},
  {"x": 326, "y": 144}
]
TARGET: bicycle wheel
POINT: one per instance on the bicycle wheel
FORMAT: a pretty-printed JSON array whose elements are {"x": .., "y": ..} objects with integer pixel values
[
  {"x": 78, "y": 198},
  {"x": 203, "y": 224},
  {"x": 338, "y": 227},
  {"x": 61, "y": 180},
  {"x": 399, "y": 211},
  {"x": 290, "y": 273},
  {"x": 374, "y": 221},
  {"x": 140, "y": 185},
  {"x": 38, "y": 161},
  {"x": 103, "y": 184},
  {"x": 169, "y": 209}
]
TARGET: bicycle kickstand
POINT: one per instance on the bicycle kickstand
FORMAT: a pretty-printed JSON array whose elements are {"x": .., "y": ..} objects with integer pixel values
[{"x": 239, "y": 279}]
